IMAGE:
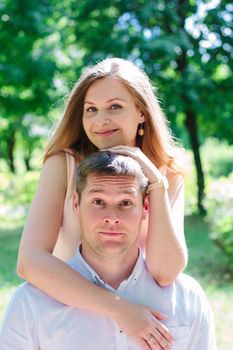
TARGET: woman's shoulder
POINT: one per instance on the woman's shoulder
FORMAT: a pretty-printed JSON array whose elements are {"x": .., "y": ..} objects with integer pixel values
[
  {"x": 59, "y": 158},
  {"x": 71, "y": 152},
  {"x": 55, "y": 161},
  {"x": 175, "y": 180},
  {"x": 54, "y": 171}
]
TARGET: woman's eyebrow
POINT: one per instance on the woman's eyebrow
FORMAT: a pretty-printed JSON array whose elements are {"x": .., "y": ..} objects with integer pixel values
[{"x": 111, "y": 99}]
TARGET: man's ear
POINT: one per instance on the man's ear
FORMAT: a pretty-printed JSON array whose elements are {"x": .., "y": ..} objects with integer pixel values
[
  {"x": 146, "y": 207},
  {"x": 75, "y": 203}
]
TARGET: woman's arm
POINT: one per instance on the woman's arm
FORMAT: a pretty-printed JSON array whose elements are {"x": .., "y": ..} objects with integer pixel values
[
  {"x": 166, "y": 252},
  {"x": 38, "y": 266}
]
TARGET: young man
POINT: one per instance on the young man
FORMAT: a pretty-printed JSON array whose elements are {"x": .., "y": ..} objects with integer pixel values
[{"x": 109, "y": 203}]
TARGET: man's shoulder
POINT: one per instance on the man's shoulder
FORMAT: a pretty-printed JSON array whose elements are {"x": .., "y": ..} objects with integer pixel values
[
  {"x": 186, "y": 281},
  {"x": 22, "y": 291},
  {"x": 26, "y": 293},
  {"x": 189, "y": 285},
  {"x": 183, "y": 282}
]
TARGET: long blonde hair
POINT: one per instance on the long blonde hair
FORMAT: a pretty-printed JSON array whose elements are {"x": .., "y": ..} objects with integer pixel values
[{"x": 157, "y": 142}]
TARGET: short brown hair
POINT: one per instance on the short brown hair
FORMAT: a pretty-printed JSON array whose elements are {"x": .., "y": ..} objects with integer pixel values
[{"x": 109, "y": 163}]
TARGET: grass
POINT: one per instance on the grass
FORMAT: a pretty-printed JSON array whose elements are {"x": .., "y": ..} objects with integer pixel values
[
  {"x": 209, "y": 267},
  {"x": 206, "y": 263},
  {"x": 9, "y": 242}
]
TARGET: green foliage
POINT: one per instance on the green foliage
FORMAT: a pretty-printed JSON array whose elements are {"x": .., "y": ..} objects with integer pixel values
[
  {"x": 184, "y": 46},
  {"x": 177, "y": 46},
  {"x": 17, "y": 190},
  {"x": 26, "y": 73},
  {"x": 190, "y": 189},
  {"x": 186, "y": 54},
  {"x": 217, "y": 157},
  {"x": 220, "y": 216},
  {"x": 9, "y": 240}
]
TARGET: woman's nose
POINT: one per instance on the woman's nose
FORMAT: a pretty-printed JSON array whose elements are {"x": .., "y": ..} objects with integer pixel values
[{"x": 103, "y": 118}]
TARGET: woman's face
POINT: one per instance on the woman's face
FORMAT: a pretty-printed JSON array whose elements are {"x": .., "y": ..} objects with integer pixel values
[{"x": 110, "y": 115}]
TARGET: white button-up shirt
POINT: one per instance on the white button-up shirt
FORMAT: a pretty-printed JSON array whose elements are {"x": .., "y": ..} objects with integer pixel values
[{"x": 35, "y": 321}]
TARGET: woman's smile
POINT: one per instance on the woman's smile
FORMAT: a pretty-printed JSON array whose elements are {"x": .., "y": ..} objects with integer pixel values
[{"x": 110, "y": 115}]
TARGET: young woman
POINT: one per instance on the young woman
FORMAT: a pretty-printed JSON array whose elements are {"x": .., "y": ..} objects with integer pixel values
[{"x": 112, "y": 104}]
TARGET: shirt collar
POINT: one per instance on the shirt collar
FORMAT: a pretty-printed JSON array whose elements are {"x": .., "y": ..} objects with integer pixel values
[{"x": 79, "y": 264}]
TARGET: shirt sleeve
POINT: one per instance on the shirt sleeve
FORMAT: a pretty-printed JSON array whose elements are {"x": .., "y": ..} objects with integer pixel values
[
  {"x": 202, "y": 329},
  {"x": 18, "y": 328}
]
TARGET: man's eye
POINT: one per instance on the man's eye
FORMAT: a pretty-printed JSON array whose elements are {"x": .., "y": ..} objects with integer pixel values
[
  {"x": 115, "y": 106},
  {"x": 126, "y": 203},
  {"x": 98, "y": 202}
]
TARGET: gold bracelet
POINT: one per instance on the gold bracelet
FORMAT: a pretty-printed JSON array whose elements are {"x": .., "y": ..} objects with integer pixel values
[{"x": 162, "y": 182}]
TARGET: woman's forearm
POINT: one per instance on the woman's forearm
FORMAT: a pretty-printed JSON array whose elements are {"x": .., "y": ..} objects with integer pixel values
[
  {"x": 63, "y": 283},
  {"x": 60, "y": 281},
  {"x": 166, "y": 252}
]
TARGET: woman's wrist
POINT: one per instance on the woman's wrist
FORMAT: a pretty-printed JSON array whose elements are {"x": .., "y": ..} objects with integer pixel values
[
  {"x": 162, "y": 182},
  {"x": 117, "y": 307}
]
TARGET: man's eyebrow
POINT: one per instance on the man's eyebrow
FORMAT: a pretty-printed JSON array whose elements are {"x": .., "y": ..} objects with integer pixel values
[
  {"x": 126, "y": 191},
  {"x": 111, "y": 99},
  {"x": 96, "y": 190}
]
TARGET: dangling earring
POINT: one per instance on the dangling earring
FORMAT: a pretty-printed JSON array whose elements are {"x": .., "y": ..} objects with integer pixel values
[{"x": 141, "y": 130}]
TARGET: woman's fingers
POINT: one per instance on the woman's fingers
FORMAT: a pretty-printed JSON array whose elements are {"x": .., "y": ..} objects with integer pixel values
[
  {"x": 158, "y": 315},
  {"x": 147, "y": 166},
  {"x": 142, "y": 344},
  {"x": 159, "y": 339},
  {"x": 123, "y": 150},
  {"x": 154, "y": 345},
  {"x": 162, "y": 331},
  {"x": 159, "y": 336},
  {"x": 141, "y": 323}
]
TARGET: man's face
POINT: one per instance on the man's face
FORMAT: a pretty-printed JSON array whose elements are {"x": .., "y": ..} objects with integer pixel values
[{"x": 111, "y": 211}]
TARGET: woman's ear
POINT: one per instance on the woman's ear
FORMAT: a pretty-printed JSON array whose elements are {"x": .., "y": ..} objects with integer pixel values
[
  {"x": 142, "y": 118},
  {"x": 75, "y": 203}
]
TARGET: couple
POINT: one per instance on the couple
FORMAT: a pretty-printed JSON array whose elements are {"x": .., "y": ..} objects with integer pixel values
[{"x": 111, "y": 203}]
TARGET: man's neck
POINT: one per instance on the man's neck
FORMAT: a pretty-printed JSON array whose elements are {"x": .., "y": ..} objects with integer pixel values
[{"x": 112, "y": 270}]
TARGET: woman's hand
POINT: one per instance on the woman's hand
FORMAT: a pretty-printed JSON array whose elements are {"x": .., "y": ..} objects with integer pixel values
[
  {"x": 150, "y": 170},
  {"x": 142, "y": 325}
]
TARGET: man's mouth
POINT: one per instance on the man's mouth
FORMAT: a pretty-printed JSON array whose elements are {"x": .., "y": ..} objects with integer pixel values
[{"x": 111, "y": 233}]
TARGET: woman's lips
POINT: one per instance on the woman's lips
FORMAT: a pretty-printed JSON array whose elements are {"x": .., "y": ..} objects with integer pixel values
[{"x": 106, "y": 132}]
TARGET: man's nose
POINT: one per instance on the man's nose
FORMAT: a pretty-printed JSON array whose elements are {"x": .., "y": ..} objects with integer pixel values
[{"x": 111, "y": 218}]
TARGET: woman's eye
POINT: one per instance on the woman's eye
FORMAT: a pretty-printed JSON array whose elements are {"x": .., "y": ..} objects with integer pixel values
[
  {"x": 98, "y": 202},
  {"x": 91, "y": 109},
  {"x": 126, "y": 203},
  {"x": 115, "y": 106}
]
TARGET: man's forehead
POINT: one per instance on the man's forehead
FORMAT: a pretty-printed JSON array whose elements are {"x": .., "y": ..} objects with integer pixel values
[{"x": 99, "y": 183}]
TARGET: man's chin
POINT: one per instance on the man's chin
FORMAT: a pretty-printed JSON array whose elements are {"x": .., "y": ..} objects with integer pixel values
[{"x": 112, "y": 248}]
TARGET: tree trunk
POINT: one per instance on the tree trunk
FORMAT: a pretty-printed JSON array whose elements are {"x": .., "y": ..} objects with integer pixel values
[
  {"x": 10, "y": 150},
  {"x": 27, "y": 163},
  {"x": 190, "y": 117},
  {"x": 191, "y": 125}
]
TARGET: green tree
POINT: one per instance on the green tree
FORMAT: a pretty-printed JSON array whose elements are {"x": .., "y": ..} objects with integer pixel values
[
  {"x": 26, "y": 71},
  {"x": 174, "y": 41}
]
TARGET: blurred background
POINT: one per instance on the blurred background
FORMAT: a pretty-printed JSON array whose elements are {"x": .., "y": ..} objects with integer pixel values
[{"x": 185, "y": 46}]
